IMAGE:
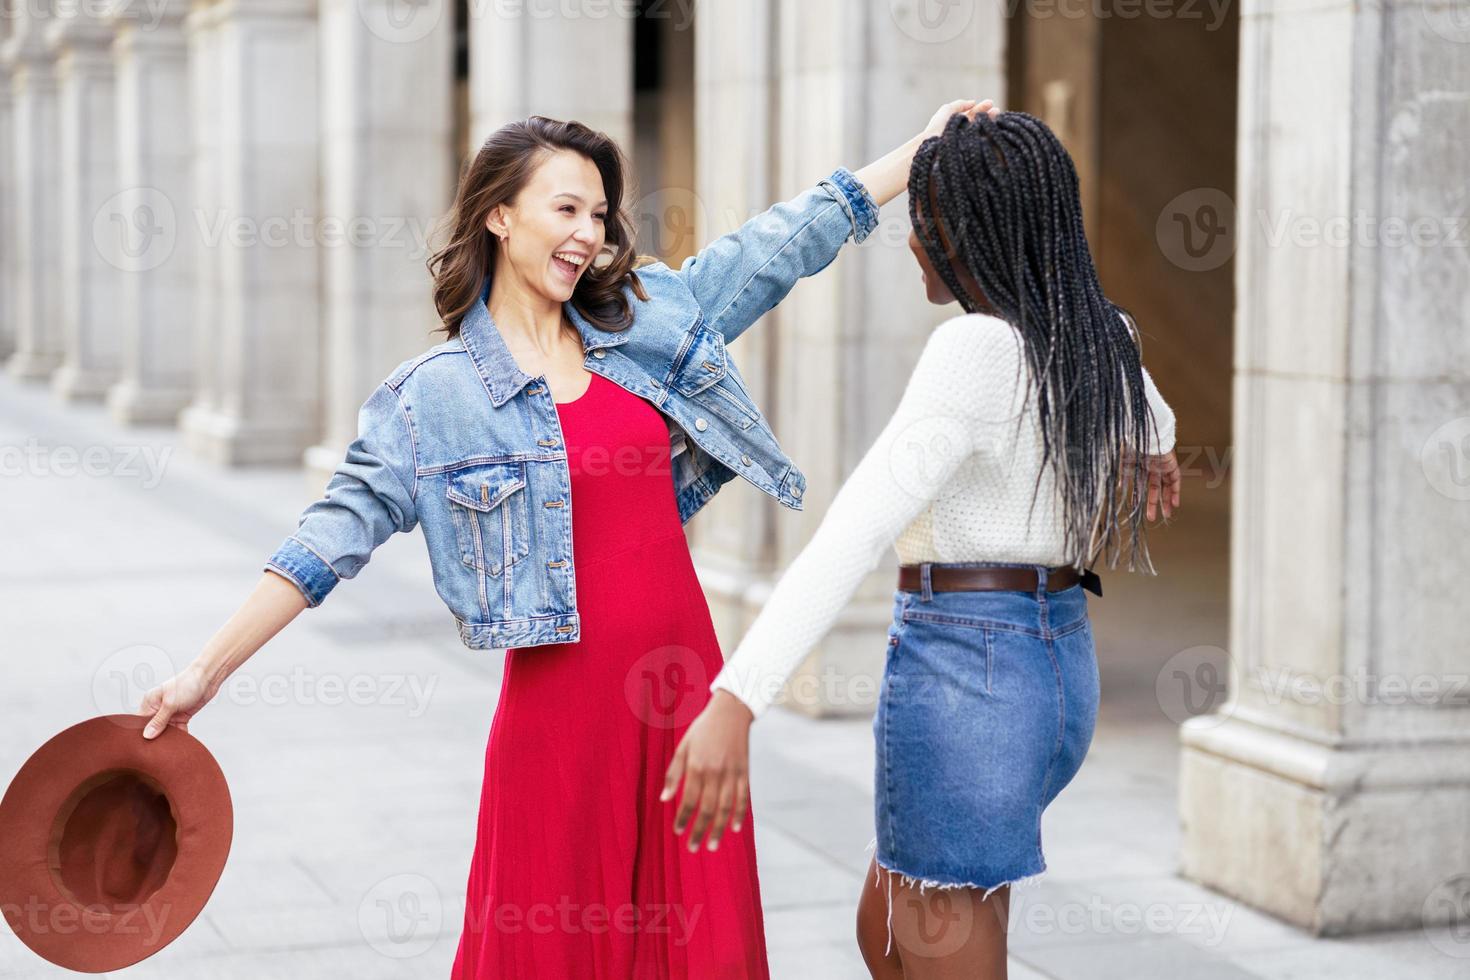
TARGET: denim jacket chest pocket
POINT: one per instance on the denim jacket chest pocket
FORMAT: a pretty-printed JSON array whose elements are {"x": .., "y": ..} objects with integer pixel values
[
  {"x": 707, "y": 377},
  {"x": 489, "y": 505}
]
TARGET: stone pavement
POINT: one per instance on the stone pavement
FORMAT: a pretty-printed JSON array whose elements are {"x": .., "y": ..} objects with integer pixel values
[{"x": 354, "y": 745}]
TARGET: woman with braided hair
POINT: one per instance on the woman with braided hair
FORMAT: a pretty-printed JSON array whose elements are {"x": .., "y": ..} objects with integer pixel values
[{"x": 1028, "y": 440}]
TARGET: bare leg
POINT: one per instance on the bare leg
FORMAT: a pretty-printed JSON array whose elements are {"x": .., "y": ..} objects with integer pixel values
[
  {"x": 872, "y": 928},
  {"x": 944, "y": 933}
]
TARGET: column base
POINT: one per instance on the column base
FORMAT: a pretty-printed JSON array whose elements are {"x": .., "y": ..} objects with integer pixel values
[
  {"x": 29, "y": 365},
  {"x": 226, "y": 440},
  {"x": 1334, "y": 839},
  {"x": 74, "y": 384},
  {"x": 131, "y": 404}
]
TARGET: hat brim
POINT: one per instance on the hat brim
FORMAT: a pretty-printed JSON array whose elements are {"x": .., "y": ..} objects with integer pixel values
[{"x": 44, "y": 914}]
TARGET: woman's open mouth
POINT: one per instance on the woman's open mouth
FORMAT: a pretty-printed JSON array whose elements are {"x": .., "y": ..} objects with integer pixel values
[{"x": 568, "y": 264}]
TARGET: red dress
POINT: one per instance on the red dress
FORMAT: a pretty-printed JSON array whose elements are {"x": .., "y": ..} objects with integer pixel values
[{"x": 576, "y": 871}]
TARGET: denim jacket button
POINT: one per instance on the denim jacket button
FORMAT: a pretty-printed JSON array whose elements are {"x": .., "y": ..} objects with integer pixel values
[
  {"x": 745, "y": 459},
  {"x": 701, "y": 424},
  {"x": 599, "y": 353},
  {"x": 796, "y": 491}
]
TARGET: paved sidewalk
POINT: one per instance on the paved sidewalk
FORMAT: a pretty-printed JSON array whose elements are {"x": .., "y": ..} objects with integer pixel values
[{"x": 355, "y": 757}]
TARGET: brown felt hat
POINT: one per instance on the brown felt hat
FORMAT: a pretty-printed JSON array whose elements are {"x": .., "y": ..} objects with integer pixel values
[{"x": 110, "y": 844}]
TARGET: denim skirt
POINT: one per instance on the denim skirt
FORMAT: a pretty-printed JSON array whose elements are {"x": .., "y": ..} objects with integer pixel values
[{"x": 987, "y": 709}]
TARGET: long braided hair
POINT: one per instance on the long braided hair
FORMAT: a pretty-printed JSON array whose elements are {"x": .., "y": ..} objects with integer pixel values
[{"x": 1006, "y": 194}]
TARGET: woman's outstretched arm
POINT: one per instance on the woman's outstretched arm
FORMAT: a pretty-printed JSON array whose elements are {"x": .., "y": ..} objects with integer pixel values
[{"x": 273, "y": 603}]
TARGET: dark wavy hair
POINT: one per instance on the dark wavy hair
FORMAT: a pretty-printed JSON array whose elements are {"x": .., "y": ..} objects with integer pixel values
[
  {"x": 1006, "y": 195},
  {"x": 497, "y": 174}
]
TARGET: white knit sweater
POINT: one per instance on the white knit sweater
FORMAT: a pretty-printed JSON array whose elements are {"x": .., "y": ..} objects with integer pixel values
[{"x": 949, "y": 479}]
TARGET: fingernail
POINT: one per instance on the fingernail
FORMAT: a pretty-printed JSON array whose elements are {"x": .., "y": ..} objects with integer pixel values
[
  {"x": 149, "y": 732},
  {"x": 714, "y": 845},
  {"x": 664, "y": 796}
]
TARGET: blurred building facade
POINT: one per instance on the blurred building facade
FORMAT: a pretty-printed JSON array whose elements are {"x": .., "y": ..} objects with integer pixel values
[{"x": 214, "y": 215}]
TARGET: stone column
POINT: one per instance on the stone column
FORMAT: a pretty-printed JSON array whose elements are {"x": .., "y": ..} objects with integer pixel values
[
  {"x": 7, "y": 199},
  {"x": 388, "y": 173},
  {"x": 1333, "y": 786},
  {"x": 150, "y": 216},
  {"x": 258, "y": 223},
  {"x": 89, "y": 283},
  {"x": 201, "y": 34},
  {"x": 566, "y": 61},
  {"x": 37, "y": 196},
  {"x": 832, "y": 359}
]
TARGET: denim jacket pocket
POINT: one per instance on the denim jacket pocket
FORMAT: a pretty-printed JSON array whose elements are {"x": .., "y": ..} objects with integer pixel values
[
  {"x": 488, "y": 504},
  {"x": 702, "y": 363},
  {"x": 707, "y": 376}
]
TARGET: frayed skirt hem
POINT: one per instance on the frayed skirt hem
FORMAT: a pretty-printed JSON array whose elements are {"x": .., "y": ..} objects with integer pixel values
[{"x": 925, "y": 883}]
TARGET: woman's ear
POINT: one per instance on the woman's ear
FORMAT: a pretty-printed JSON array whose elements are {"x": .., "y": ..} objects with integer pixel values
[{"x": 495, "y": 223}]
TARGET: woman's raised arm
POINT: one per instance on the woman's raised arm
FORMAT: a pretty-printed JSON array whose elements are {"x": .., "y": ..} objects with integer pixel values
[{"x": 740, "y": 276}]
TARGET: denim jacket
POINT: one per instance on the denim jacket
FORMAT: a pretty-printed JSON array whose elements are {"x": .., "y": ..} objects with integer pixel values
[{"x": 461, "y": 441}]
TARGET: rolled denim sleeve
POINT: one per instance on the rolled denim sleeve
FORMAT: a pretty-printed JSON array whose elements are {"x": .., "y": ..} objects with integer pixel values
[
  {"x": 368, "y": 498},
  {"x": 740, "y": 276}
]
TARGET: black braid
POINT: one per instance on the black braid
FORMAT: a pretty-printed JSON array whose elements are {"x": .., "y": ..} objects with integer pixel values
[{"x": 1006, "y": 191}]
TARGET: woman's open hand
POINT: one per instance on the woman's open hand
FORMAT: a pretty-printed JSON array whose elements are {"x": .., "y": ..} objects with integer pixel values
[{"x": 713, "y": 759}]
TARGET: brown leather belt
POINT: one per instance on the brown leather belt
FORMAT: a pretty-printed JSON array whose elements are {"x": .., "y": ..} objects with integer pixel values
[{"x": 948, "y": 578}]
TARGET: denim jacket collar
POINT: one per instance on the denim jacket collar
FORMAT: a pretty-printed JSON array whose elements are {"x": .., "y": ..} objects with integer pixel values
[{"x": 498, "y": 369}]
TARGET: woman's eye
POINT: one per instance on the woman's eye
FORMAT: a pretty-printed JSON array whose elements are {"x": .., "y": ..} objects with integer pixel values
[
  {"x": 600, "y": 217},
  {"x": 568, "y": 208}
]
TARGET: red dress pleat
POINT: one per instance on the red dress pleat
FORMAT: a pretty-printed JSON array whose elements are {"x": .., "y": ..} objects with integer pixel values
[{"x": 576, "y": 870}]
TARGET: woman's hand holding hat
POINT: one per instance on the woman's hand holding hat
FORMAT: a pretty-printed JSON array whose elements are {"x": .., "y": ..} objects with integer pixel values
[{"x": 176, "y": 700}]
